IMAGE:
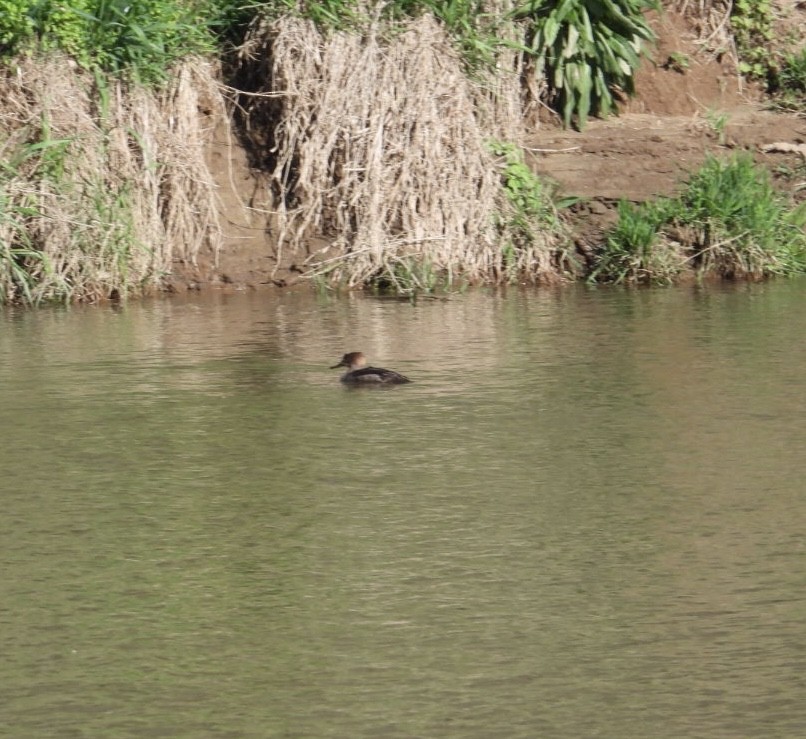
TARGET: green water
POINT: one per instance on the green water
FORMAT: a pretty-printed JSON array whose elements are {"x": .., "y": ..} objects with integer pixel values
[{"x": 584, "y": 518}]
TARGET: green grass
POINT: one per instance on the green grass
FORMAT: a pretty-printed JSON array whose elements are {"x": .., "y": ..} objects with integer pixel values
[
  {"x": 138, "y": 39},
  {"x": 21, "y": 261},
  {"x": 17, "y": 280},
  {"x": 790, "y": 85},
  {"x": 742, "y": 226},
  {"x": 729, "y": 222},
  {"x": 62, "y": 237},
  {"x": 634, "y": 250},
  {"x": 531, "y": 217}
]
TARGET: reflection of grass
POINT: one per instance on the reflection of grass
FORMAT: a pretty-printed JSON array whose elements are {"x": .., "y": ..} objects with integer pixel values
[{"x": 729, "y": 222}]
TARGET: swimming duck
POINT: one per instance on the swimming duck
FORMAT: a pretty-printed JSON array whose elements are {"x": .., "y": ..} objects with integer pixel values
[{"x": 359, "y": 373}]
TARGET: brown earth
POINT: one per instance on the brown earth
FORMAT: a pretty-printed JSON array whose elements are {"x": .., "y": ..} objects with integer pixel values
[
  {"x": 688, "y": 103},
  {"x": 677, "y": 117}
]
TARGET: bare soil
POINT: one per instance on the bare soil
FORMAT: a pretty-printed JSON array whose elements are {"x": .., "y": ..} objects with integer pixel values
[
  {"x": 678, "y": 116},
  {"x": 687, "y": 105}
]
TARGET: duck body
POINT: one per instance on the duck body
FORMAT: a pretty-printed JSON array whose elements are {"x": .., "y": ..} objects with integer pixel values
[{"x": 358, "y": 373}]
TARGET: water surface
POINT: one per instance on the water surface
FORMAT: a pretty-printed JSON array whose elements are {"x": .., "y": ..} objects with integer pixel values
[{"x": 584, "y": 518}]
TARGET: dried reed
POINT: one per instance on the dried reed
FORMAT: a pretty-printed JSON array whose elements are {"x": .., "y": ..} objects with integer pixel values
[
  {"x": 380, "y": 144},
  {"x": 104, "y": 189},
  {"x": 710, "y": 20}
]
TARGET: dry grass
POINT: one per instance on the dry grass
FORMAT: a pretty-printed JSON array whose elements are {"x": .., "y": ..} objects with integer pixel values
[
  {"x": 102, "y": 191},
  {"x": 711, "y": 18},
  {"x": 380, "y": 145}
]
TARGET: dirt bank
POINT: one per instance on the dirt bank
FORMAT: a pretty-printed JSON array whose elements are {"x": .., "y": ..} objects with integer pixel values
[{"x": 689, "y": 103}]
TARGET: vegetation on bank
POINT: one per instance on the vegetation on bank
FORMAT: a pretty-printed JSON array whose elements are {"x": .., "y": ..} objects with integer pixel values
[
  {"x": 103, "y": 188},
  {"x": 390, "y": 130},
  {"x": 728, "y": 222},
  {"x": 769, "y": 48}
]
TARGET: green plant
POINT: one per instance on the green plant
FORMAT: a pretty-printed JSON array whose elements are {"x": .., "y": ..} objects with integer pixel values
[
  {"x": 790, "y": 87},
  {"x": 62, "y": 236},
  {"x": 741, "y": 226},
  {"x": 793, "y": 73},
  {"x": 587, "y": 49},
  {"x": 16, "y": 251},
  {"x": 718, "y": 122},
  {"x": 728, "y": 222},
  {"x": 751, "y": 21},
  {"x": 141, "y": 38},
  {"x": 526, "y": 192},
  {"x": 16, "y": 25},
  {"x": 325, "y": 13},
  {"x": 473, "y": 30},
  {"x": 678, "y": 62},
  {"x": 635, "y": 251},
  {"x": 20, "y": 259},
  {"x": 409, "y": 275},
  {"x": 531, "y": 212},
  {"x": 136, "y": 38}
]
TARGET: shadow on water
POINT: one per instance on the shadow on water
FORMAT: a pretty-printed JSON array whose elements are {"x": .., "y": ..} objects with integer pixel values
[{"x": 582, "y": 518}]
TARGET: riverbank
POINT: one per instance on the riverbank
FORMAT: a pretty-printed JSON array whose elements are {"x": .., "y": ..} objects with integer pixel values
[
  {"x": 677, "y": 118},
  {"x": 421, "y": 172}
]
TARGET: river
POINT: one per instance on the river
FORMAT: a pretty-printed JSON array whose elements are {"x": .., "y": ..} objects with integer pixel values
[{"x": 585, "y": 517}]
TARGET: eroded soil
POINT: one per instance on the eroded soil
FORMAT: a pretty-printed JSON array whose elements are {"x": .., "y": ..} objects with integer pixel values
[
  {"x": 678, "y": 116},
  {"x": 640, "y": 155}
]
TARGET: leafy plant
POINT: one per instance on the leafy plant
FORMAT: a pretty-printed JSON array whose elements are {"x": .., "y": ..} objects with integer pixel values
[
  {"x": 588, "y": 50},
  {"x": 137, "y": 38},
  {"x": 718, "y": 122},
  {"x": 526, "y": 192},
  {"x": 790, "y": 88},
  {"x": 751, "y": 21},
  {"x": 742, "y": 226},
  {"x": 728, "y": 222},
  {"x": 16, "y": 25},
  {"x": 532, "y": 212},
  {"x": 635, "y": 251},
  {"x": 793, "y": 73},
  {"x": 678, "y": 62}
]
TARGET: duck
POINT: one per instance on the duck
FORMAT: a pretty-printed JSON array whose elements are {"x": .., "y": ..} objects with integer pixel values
[{"x": 359, "y": 374}]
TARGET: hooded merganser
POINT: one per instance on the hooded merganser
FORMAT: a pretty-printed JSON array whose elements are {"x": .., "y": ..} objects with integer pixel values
[{"x": 359, "y": 373}]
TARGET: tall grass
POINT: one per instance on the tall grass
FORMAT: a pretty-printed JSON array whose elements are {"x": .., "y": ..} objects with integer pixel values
[
  {"x": 577, "y": 55},
  {"x": 789, "y": 92},
  {"x": 97, "y": 205},
  {"x": 728, "y": 222},
  {"x": 378, "y": 146},
  {"x": 635, "y": 250},
  {"x": 741, "y": 226},
  {"x": 137, "y": 39}
]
